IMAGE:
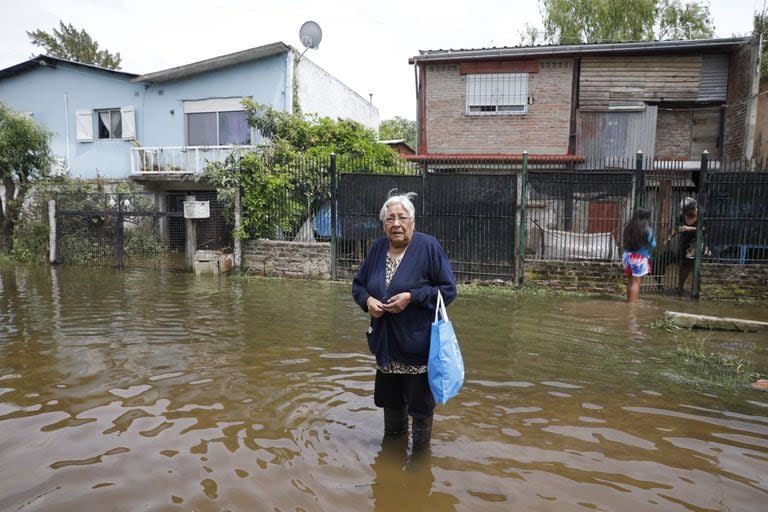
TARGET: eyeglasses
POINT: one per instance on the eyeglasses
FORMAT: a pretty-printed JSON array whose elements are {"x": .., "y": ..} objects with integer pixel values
[{"x": 402, "y": 220}]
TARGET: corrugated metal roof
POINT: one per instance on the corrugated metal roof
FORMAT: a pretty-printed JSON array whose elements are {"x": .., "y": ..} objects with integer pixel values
[
  {"x": 578, "y": 49},
  {"x": 47, "y": 60},
  {"x": 222, "y": 61}
]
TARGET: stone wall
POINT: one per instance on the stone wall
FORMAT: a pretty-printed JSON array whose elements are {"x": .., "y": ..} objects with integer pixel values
[
  {"x": 718, "y": 281},
  {"x": 287, "y": 259},
  {"x": 582, "y": 276},
  {"x": 312, "y": 260},
  {"x": 721, "y": 281}
]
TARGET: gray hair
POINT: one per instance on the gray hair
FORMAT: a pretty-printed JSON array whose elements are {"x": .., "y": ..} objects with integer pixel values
[
  {"x": 689, "y": 204},
  {"x": 402, "y": 199}
]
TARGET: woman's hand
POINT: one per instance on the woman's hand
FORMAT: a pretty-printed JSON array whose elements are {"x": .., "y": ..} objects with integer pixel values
[
  {"x": 375, "y": 307},
  {"x": 683, "y": 229},
  {"x": 397, "y": 303}
]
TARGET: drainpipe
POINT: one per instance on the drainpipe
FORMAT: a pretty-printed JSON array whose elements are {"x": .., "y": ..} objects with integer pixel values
[{"x": 66, "y": 125}]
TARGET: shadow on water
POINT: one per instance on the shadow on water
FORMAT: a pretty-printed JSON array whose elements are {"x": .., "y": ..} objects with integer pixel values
[{"x": 141, "y": 390}]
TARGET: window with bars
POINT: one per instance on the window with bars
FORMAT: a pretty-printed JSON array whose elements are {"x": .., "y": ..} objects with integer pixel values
[{"x": 497, "y": 94}]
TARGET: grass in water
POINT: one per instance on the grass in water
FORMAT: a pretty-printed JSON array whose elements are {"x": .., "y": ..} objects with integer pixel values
[
  {"x": 712, "y": 369},
  {"x": 665, "y": 325}
]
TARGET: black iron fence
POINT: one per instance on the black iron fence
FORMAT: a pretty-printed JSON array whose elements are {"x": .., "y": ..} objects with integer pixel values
[
  {"x": 475, "y": 207},
  {"x": 133, "y": 229}
]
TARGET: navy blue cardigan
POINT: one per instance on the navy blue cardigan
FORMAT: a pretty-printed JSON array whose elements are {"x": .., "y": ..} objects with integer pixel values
[{"x": 404, "y": 336}]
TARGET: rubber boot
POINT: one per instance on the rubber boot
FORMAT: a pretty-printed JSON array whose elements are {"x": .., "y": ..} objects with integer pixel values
[
  {"x": 395, "y": 421},
  {"x": 422, "y": 433}
]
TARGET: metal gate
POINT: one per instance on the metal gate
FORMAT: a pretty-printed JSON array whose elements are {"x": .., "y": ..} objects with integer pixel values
[
  {"x": 472, "y": 215},
  {"x": 139, "y": 230}
]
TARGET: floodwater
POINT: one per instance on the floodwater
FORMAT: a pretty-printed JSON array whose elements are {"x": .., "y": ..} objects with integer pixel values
[{"x": 137, "y": 390}]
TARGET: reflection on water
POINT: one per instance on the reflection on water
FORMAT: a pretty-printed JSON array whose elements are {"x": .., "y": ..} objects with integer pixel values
[{"x": 162, "y": 391}]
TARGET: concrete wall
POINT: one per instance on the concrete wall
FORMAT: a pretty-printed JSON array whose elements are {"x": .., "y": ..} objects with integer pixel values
[
  {"x": 287, "y": 259},
  {"x": 323, "y": 94},
  {"x": 544, "y": 129}
]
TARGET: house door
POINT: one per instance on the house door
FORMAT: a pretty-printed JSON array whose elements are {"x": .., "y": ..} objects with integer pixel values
[{"x": 603, "y": 217}]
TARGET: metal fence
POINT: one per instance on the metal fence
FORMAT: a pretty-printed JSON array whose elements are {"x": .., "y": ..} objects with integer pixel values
[
  {"x": 133, "y": 229},
  {"x": 473, "y": 206}
]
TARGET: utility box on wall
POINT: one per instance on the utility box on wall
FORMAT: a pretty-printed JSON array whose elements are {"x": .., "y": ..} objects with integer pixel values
[{"x": 197, "y": 209}]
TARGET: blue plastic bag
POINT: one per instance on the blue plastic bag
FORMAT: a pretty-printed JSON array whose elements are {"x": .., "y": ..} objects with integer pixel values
[{"x": 445, "y": 366}]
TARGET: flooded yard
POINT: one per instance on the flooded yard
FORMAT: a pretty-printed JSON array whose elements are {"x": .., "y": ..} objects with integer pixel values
[{"x": 140, "y": 390}]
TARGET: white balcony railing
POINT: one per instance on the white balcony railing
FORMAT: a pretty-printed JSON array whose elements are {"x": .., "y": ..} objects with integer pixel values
[{"x": 179, "y": 159}]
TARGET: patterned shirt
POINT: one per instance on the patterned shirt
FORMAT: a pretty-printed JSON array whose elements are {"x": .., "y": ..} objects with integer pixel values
[{"x": 395, "y": 366}]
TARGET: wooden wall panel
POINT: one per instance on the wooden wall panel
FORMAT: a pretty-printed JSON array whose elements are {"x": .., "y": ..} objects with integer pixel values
[{"x": 615, "y": 81}]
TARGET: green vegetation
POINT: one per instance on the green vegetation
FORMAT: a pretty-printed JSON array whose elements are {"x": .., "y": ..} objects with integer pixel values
[
  {"x": 69, "y": 43},
  {"x": 665, "y": 325},
  {"x": 84, "y": 239},
  {"x": 25, "y": 155},
  {"x": 398, "y": 128},
  {"x": 289, "y": 177},
  {"x": 593, "y": 21},
  {"x": 697, "y": 365}
]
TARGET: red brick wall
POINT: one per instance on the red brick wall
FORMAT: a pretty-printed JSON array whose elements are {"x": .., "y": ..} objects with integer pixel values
[
  {"x": 673, "y": 134},
  {"x": 543, "y": 130},
  {"x": 740, "y": 75}
]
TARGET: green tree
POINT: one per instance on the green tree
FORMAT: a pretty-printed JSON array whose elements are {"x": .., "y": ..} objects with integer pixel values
[
  {"x": 678, "y": 20},
  {"x": 398, "y": 128},
  {"x": 593, "y": 21},
  {"x": 25, "y": 155},
  {"x": 288, "y": 179},
  {"x": 69, "y": 43}
]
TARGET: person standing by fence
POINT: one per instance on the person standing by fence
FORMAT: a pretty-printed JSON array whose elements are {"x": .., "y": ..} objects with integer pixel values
[
  {"x": 397, "y": 285},
  {"x": 638, "y": 243},
  {"x": 687, "y": 242}
]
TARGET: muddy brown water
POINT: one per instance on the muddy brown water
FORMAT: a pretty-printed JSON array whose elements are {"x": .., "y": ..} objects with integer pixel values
[{"x": 139, "y": 390}]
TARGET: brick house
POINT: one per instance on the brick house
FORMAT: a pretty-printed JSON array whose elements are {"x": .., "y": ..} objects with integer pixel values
[{"x": 669, "y": 99}]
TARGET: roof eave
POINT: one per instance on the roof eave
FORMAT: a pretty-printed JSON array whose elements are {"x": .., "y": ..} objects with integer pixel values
[
  {"x": 580, "y": 49},
  {"x": 214, "y": 63}
]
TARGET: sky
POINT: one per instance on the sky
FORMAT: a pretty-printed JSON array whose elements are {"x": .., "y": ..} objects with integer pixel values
[{"x": 365, "y": 44}]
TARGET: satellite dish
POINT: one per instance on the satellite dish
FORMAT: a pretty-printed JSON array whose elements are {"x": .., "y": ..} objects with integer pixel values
[{"x": 310, "y": 35}]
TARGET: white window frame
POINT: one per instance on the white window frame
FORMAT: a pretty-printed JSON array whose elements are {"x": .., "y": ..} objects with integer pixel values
[
  {"x": 111, "y": 112},
  {"x": 85, "y": 120},
  {"x": 497, "y": 94}
]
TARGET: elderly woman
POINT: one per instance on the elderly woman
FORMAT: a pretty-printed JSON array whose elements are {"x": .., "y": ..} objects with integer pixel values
[{"x": 397, "y": 286}]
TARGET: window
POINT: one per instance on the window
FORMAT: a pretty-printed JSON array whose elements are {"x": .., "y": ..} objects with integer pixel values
[
  {"x": 218, "y": 128},
  {"x": 110, "y": 124},
  {"x": 497, "y": 94},
  {"x": 113, "y": 123}
]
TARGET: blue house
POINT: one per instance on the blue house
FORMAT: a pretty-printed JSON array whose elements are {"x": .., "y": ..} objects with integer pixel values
[{"x": 162, "y": 127}]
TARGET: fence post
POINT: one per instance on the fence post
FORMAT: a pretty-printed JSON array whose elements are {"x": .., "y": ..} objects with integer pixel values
[
  {"x": 119, "y": 233},
  {"x": 523, "y": 219},
  {"x": 334, "y": 240},
  {"x": 639, "y": 180},
  {"x": 191, "y": 241},
  {"x": 238, "y": 243},
  {"x": 52, "y": 231},
  {"x": 700, "y": 200}
]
